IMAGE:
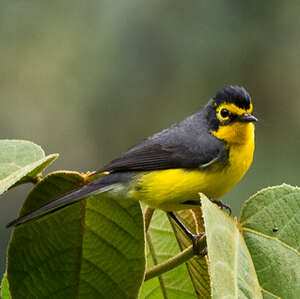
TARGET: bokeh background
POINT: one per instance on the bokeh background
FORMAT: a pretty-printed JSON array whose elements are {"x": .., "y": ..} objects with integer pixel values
[{"x": 88, "y": 79}]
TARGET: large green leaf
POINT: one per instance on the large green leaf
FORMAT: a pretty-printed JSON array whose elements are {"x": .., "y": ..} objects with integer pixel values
[
  {"x": 270, "y": 222},
  {"x": 92, "y": 249},
  {"x": 231, "y": 268},
  {"x": 197, "y": 266},
  {"x": 21, "y": 161}
]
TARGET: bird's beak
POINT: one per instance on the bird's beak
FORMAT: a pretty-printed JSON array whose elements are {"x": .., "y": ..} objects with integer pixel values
[{"x": 248, "y": 118}]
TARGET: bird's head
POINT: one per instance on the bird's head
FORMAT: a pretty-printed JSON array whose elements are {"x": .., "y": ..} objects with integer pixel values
[{"x": 230, "y": 118}]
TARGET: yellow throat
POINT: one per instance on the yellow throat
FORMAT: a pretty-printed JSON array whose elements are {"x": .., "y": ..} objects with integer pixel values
[{"x": 239, "y": 138}]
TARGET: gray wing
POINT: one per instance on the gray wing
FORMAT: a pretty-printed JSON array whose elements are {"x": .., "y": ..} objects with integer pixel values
[{"x": 185, "y": 145}]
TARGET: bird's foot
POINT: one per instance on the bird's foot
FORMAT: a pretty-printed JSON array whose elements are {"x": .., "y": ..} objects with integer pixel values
[
  {"x": 221, "y": 204},
  {"x": 197, "y": 248},
  {"x": 197, "y": 239}
]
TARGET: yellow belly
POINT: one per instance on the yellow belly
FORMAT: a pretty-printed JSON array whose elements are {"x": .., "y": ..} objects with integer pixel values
[{"x": 169, "y": 189}]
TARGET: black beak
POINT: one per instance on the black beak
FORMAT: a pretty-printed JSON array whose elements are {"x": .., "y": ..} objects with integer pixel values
[{"x": 248, "y": 118}]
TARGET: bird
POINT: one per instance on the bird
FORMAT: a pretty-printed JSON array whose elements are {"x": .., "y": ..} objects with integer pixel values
[{"x": 208, "y": 152}]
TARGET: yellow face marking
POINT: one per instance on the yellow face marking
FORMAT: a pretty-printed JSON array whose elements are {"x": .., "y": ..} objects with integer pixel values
[
  {"x": 233, "y": 109},
  {"x": 235, "y": 132}
]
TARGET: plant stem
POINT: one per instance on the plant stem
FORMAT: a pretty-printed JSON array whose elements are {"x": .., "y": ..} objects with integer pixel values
[
  {"x": 36, "y": 179},
  {"x": 171, "y": 263},
  {"x": 148, "y": 216},
  {"x": 155, "y": 261}
]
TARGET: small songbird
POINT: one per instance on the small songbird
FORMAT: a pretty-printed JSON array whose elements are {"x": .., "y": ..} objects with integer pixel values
[{"x": 209, "y": 152}]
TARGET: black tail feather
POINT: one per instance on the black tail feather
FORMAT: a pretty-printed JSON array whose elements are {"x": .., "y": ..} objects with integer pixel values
[{"x": 97, "y": 186}]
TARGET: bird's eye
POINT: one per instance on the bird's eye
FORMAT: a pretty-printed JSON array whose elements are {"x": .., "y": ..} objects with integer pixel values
[{"x": 224, "y": 113}]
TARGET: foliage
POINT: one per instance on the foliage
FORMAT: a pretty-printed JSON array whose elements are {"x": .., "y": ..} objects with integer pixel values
[
  {"x": 96, "y": 247},
  {"x": 21, "y": 161}
]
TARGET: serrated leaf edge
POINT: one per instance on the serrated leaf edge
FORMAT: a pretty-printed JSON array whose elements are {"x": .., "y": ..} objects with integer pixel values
[{"x": 238, "y": 235}]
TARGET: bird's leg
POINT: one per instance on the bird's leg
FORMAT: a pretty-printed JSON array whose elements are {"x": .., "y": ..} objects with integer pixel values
[
  {"x": 195, "y": 238},
  {"x": 221, "y": 204}
]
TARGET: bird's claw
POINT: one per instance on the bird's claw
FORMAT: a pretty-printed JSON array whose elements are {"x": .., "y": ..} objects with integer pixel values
[
  {"x": 198, "y": 250},
  {"x": 222, "y": 205}
]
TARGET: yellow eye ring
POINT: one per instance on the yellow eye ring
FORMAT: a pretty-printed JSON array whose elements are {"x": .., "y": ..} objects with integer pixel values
[{"x": 223, "y": 114}]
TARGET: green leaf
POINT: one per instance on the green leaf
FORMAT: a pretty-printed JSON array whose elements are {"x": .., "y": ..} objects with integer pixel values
[
  {"x": 161, "y": 245},
  {"x": 5, "y": 294},
  {"x": 197, "y": 266},
  {"x": 20, "y": 162},
  {"x": 275, "y": 252},
  {"x": 92, "y": 249},
  {"x": 231, "y": 269}
]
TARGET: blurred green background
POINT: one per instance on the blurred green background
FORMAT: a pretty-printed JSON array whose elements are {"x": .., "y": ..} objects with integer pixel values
[{"x": 88, "y": 79}]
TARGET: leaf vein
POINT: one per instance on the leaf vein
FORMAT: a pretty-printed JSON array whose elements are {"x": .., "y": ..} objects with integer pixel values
[
  {"x": 270, "y": 238},
  {"x": 105, "y": 274},
  {"x": 102, "y": 239},
  {"x": 111, "y": 221},
  {"x": 267, "y": 206},
  {"x": 269, "y": 293}
]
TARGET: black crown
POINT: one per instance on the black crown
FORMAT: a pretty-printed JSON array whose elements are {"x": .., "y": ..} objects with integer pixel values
[{"x": 234, "y": 94}]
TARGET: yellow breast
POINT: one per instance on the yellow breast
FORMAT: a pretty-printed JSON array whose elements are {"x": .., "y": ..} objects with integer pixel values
[
  {"x": 169, "y": 189},
  {"x": 239, "y": 138}
]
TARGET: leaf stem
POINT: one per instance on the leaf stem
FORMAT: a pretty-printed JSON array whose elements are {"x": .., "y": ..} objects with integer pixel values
[
  {"x": 148, "y": 216},
  {"x": 171, "y": 263},
  {"x": 36, "y": 179},
  {"x": 155, "y": 261}
]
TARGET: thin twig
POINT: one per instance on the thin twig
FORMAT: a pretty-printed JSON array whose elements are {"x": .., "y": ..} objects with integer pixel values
[
  {"x": 148, "y": 216},
  {"x": 171, "y": 263}
]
